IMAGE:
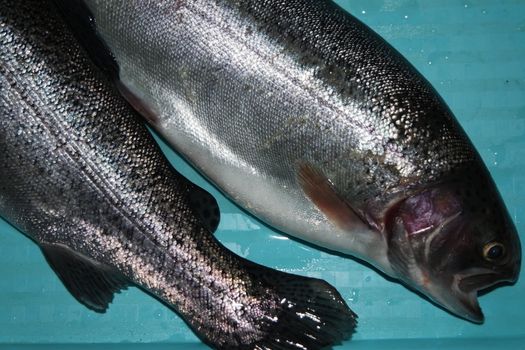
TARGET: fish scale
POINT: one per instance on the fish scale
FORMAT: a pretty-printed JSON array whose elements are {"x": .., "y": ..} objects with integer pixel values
[{"x": 82, "y": 177}]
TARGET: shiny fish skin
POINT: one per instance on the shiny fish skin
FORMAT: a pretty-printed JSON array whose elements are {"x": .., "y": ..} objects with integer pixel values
[
  {"x": 316, "y": 125},
  {"x": 82, "y": 177}
]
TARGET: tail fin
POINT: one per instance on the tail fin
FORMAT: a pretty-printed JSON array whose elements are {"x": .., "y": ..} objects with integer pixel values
[{"x": 313, "y": 315}]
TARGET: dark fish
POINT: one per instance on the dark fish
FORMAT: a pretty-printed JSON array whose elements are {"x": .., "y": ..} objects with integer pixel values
[
  {"x": 81, "y": 176},
  {"x": 313, "y": 123}
]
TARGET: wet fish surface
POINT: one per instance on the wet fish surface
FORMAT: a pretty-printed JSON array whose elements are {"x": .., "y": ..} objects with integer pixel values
[
  {"x": 316, "y": 125},
  {"x": 82, "y": 177}
]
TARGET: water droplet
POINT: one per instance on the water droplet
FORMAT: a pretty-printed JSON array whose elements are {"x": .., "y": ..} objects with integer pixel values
[
  {"x": 429, "y": 62},
  {"x": 389, "y": 302},
  {"x": 484, "y": 12},
  {"x": 363, "y": 12},
  {"x": 354, "y": 296},
  {"x": 466, "y": 5},
  {"x": 446, "y": 57},
  {"x": 368, "y": 279},
  {"x": 406, "y": 16}
]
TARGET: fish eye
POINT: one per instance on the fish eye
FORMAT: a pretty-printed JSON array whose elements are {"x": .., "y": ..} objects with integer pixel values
[{"x": 493, "y": 251}]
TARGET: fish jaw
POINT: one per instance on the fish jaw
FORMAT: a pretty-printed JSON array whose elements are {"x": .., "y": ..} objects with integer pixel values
[
  {"x": 461, "y": 298},
  {"x": 459, "y": 303}
]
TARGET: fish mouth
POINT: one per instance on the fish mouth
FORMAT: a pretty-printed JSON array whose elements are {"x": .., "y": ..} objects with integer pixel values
[{"x": 466, "y": 289}]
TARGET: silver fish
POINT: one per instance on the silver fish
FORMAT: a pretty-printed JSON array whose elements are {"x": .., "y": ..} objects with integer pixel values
[
  {"x": 313, "y": 123},
  {"x": 82, "y": 177}
]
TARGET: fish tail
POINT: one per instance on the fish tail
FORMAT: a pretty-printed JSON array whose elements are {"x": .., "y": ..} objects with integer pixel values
[{"x": 312, "y": 314}]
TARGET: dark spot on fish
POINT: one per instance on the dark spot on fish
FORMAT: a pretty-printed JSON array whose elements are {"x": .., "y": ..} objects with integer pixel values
[
  {"x": 128, "y": 234},
  {"x": 115, "y": 219}
]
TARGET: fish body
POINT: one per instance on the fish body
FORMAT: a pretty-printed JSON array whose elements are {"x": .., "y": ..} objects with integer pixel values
[
  {"x": 83, "y": 178},
  {"x": 316, "y": 125}
]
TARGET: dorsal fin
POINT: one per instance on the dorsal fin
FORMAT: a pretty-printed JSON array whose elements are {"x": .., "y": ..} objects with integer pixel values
[{"x": 91, "y": 283}]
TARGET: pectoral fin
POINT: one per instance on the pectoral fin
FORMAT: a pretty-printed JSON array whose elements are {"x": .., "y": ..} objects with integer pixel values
[
  {"x": 91, "y": 283},
  {"x": 321, "y": 192}
]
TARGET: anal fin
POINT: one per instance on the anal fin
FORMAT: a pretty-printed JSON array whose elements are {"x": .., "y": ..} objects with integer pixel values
[
  {"x": 91, "y": 283},
  {"x": 321, "y": 192}
]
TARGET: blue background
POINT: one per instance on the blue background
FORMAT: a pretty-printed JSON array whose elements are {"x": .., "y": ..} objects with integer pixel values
[{"x": 473, "y": 53}]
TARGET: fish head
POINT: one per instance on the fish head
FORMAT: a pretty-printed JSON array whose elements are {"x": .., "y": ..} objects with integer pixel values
[{"x": 453, "y": 240}]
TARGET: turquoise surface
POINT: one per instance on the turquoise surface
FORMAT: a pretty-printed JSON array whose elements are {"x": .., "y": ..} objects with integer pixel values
[{"x": 473, "y": 53}]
